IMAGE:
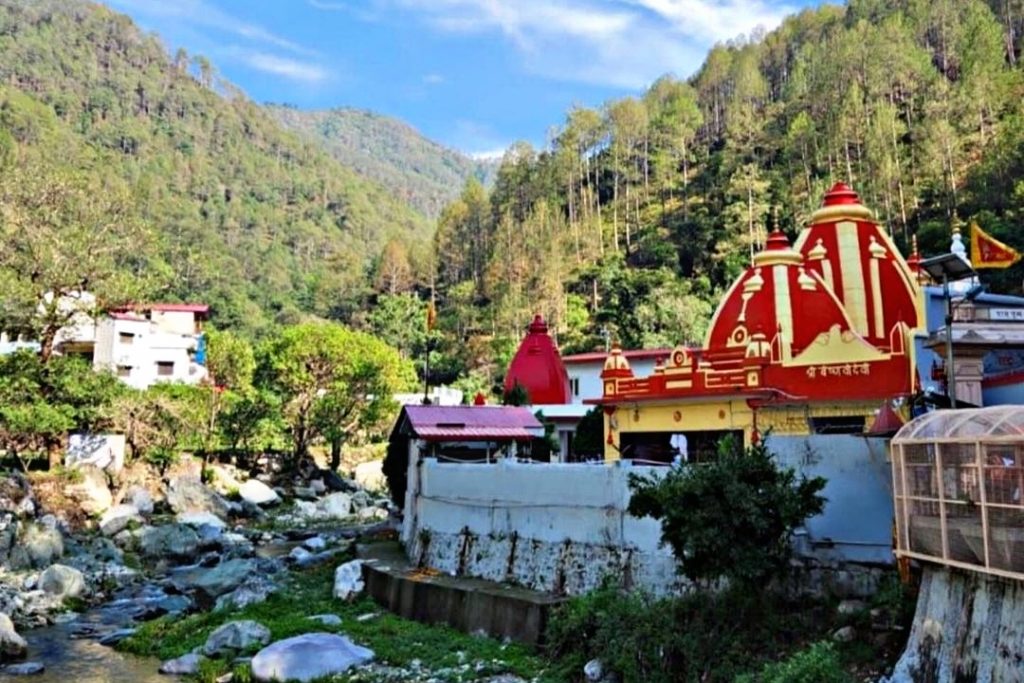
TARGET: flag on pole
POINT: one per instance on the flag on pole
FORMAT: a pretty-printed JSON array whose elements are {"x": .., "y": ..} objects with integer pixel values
[{"x": 988, "y": 252}]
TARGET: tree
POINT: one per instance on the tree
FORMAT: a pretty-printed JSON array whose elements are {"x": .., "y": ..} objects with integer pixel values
[
  {"x": 333, "y": 382},
  {"x": 394, "y": 274},
  {"x": 731, "y": 518},
  {"x": 41, "y": 403},
  {"x": 72, "y": 246},
  {"x": 229, "y": 360}
]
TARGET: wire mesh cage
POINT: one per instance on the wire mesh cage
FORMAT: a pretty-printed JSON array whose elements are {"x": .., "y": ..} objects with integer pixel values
[{"x": 958, "y": 482}]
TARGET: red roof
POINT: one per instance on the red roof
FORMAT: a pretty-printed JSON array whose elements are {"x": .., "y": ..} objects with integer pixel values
[
  {"x": 600, "y": 356},
  {"x": 470, "y": 423},
  {"x": 119, "y": 315},
  {"x": 538, "y": 368},
  {"x": 180, "y": 308}
]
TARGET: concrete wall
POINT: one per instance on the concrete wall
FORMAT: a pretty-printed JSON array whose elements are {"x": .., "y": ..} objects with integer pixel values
[
  {"x": 967, "y": 627},
  {"x": 564, "y": 527}
]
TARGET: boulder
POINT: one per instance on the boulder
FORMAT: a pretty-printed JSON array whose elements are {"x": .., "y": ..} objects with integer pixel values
[
  {"x": 360, "y": 500},
  {"x": 114, "y": 637},
  {"x": 335, "y": 506},
  {"x": 12, "y": 645},
  {"x": 197, "y": 519},
  {"x": 224, "y": 578},
  {"x": 139, "y": 497},
  {"x": 373, "y": 513},
  {"x": 304, "y": 493},
  {"x": 236, "y": 636},
  {"x": 847, "y": 607},
  {"x": 186, "y": 494},
  {"x": 117, "y": 519},
  {"x": 91, "y": 490},
  {"x": 26, "y": 669},
  {"x": 173, "y": 541},
  {"x": 318, "y": 486},
  {"x": 845, "y": 635},
  {"x": 256, "y": 492},
  {"x": 593, "y": 671},
  {"x": 348, "y": 580},
  {"x": 37, "y": 546},
  {"x": 315, "y": 543},
  {"x": 308, "y": 657},
  {"x": 186, "y": 665},
  {"x": 254, "y": 590},
  {"x": 299, "y": 554},
  {"x": 62, "y": 581},
  {"x": 370, "y": 475}
]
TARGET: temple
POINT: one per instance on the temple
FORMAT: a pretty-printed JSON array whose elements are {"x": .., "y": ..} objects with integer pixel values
[{"x": 813, "y": 337}]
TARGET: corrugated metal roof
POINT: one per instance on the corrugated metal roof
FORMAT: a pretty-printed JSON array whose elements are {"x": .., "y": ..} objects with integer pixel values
[{"x": 472, "y": 423}]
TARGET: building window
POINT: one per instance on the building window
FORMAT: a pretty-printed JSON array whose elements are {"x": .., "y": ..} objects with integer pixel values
[
  {"x": 574, "y": 382},
  {"x": 126, "y": 338},
  {"x": 165, "y": 368},
  {"x": 851, "y": 424},
  {"x": 124, "y": 371}
]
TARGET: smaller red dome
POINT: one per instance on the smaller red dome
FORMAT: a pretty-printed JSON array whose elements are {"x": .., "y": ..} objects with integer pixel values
[{"x": 538, "y": 368}]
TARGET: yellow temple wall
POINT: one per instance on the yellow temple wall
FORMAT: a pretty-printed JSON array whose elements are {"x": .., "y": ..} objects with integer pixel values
[{"x": 790, "y": 420}]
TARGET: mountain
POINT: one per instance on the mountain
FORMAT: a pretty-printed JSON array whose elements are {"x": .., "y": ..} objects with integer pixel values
[
  {"x": 419, "y": 171},
  {"x": 250, "y": 218}
]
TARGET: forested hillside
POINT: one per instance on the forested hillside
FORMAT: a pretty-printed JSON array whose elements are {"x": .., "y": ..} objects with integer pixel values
[
  {"x": 416, "y": 170},
  {"x": 243, "y": 215},
  {"x": 644, "y": 209}
]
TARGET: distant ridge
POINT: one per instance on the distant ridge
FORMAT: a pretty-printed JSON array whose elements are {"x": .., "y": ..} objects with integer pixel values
[{"x": 417, "y": 170}]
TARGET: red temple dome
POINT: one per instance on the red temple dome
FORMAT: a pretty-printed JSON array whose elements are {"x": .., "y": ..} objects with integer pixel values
[
  {"x": 777, "y": 305},
  {"x": 538, "y": 368}
]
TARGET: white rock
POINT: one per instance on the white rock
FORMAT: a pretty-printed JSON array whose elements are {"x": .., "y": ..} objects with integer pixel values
[
  {"x": 236, "y": 636},
  {"x": 348, "y": 580},
  {"x": 315, "y": 543},
  {"x": 593, "y": 670},
  {"x": 318, "y": 486},
  {"x": 306, "y": 510},
  {"x": 116, "y": 519},
  {"x": 197, "y": 519},
  {"x": 308, "y": 657},
  {"x": 373, "y": 513},
  {"x": 140, "y": 498},
  {"x": 62, "y": 581},
  {"x": 258, "y": 493},
  {"x": 336, "y": 506},
  {"x": 26, "y": 669},
  {"x": 299, "y": 554},
  {"x": 12, "y": 645},
  {"x": 844, "y": 635},
  {"x": 187, "y": 665}
]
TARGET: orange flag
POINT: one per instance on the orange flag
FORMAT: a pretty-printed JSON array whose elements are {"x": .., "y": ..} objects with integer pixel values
[{"x": 988, "y": 252}]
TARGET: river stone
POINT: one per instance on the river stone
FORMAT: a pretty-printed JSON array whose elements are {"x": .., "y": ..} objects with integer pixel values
[
  {"x": 198, "y": 519},
  {"x": 308, "y": 657},
  {"x": 172, "y": 540},
  {"x": 117, "y": 519},
  {"x": 315, "y": 543},
  {"x": 258, "y": 493},
  {"x": 186, "y": 494},
  {"x": 37, "y": 546},
  {"x": 186, "y": 665},
  {"x": 141, "y": 499},
  {"x": 336, "y": 505},
  {"x": 224, "y": 578},
  {"x": 373, "y": 513},
  {"x": 348, "y": 580},
  {"x": 12, "y": 645},
  {"x": 254, "y": 590},
  {"x": 114, "y": 637},
  {"x": 26, "y": 669},
  {"x": 91, "y": 490},
  {"x": 236, "y": 636},
  {"x": 62, "y": 581}
]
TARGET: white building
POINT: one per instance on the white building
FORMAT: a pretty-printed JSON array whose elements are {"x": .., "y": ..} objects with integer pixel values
[
  {"x": 153, "y": 343},
  {"x": 585, "y": 370}
]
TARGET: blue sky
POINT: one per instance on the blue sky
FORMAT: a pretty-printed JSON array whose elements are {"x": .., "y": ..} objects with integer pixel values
[{"x": 475, "y": 75}]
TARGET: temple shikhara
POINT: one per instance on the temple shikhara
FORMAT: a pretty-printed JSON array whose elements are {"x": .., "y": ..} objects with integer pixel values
[{"x": 813, "y": 337}]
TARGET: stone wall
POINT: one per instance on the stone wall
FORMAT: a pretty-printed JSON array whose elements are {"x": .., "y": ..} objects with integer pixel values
[{"x": 968, "y": 627}]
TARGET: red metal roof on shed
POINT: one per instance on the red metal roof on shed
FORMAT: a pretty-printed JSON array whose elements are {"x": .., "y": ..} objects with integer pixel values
[{"x": 472, "y": 423}]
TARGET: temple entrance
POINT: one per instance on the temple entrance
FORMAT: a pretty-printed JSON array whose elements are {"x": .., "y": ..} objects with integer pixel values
[{"x": 663, "y": 448}]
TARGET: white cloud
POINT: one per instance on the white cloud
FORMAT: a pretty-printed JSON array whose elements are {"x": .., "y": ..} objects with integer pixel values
[
  {"x": 292, "y": 69},
  {"x": 433, "y": 79},
  {"x": 622, "y": 43},
  {"x": 204, "y": 14}
]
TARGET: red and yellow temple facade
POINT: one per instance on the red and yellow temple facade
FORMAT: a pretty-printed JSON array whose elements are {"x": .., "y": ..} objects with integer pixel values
[{"x": 815, "y": 334}]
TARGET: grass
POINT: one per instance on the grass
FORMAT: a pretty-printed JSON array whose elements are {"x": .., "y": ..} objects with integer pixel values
[{"x": 397, "y": 642}]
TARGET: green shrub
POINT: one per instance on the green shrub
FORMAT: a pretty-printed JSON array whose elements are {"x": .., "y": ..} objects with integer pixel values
[
  {"x": 730, "y": 518},
  {"x": 817, "y": 664}
]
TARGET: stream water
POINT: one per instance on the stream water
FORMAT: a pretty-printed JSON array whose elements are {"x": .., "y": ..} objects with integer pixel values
[{"x": 72, "y": 655}]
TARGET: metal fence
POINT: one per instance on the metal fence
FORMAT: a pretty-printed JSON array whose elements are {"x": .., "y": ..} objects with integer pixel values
[{"x": 958, "y": 501}]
